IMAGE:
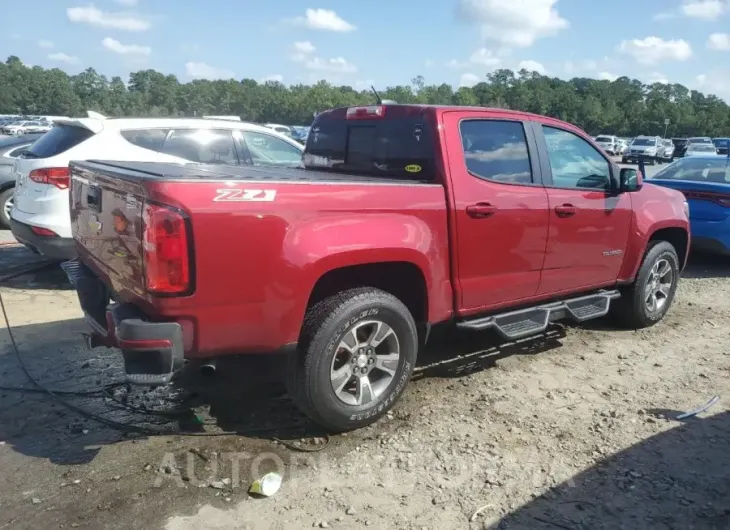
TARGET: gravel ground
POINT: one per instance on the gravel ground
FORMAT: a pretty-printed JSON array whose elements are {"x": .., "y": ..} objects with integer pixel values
[{"x": 575, "y": 429}]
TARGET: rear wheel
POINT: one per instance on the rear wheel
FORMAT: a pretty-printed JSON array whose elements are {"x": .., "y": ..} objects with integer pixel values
[
  {"x": 356, "y": 354},
  {"x": 646, "y": 302},
  {"x": 6, "y": 206}
]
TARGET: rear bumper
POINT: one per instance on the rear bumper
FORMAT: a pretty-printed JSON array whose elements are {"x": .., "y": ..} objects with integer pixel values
[
  {"x": 56, "y": 247},
  {"x": 152, "y": 351}
]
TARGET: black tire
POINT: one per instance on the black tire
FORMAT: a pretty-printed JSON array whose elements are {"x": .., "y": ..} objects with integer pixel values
[
  {"x": 631, "y": 310},
  {"x": 5, "y": 196},
  {"x": 326, "y": 323}
]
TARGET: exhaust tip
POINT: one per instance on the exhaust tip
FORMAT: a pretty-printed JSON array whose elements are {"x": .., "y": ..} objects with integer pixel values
[{"x": 208, "y": 369}]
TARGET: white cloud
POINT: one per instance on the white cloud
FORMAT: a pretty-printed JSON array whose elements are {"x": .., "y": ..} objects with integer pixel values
[
  {"x": 64, "y": 58},
  {"x": 485, "y": 57},
  {"x": 324, "y": 19},
  {"x": 654, "y": 49},
  {"x": 336, "y": 64},
  {"x": 125, "y": 49},
  {"x": 304, "y": 47},
  {"x": 304, "y": 53},
  {"x": 96, "y": 17},
  {"x": 657, "y": 77},
  {"x": 278, "y": 78},
  {"x": 47, "y": 44},
  {"x": 514, "y": 24},
  {"x": 715, "y": 82},
  {"x": 128, "y": 3},
  {"x": 469, "y": 80},
  {"x": 206, "y": 71},
  {"x": 719, "y": 41},
  {"x": 703, "y": 9},
  {"x": 607, "y": 76},
  {"x": 532, "y": 66},
  {"x": 482, "y": 57}
]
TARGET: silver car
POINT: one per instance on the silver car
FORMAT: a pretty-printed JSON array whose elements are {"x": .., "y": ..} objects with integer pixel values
[
  {"x": 666, "y": 152},
  {"x": 646, "y": 148}
]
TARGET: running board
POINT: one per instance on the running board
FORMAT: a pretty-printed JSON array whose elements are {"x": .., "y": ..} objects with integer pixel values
[{"x": 533, "y": 320}]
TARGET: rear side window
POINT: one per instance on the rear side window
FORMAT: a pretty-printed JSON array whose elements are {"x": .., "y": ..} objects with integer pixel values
[
  {"x": 267, "y": 150},
  {"x": 399, "y": 145},
  {"x": 206, "y": 146},
  {"x": 146, "y": 138},
  {"x": 496, "y": 150},
  {"x": 58, "y": 140}
]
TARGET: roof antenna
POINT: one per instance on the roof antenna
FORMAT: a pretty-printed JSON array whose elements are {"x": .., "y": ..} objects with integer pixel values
[{"x": 377, "y": 96}]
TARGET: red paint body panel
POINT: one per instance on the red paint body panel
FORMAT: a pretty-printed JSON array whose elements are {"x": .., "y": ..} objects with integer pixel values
[{"x": 255, "y": 263}]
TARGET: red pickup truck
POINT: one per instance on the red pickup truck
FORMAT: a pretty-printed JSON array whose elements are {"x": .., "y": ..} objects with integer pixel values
[{"x": 402, "y": 217}]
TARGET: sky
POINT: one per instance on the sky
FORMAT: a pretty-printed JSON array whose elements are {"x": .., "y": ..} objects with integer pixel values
[{"x": 379, "y": 42}]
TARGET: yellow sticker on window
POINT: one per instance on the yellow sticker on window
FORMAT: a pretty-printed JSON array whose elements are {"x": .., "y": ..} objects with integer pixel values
[{"x": 413, "y": 168}]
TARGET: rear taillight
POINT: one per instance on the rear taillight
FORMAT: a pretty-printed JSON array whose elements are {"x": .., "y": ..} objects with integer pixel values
[
  {"x": 44, "y": 232},
  {"x": 365, "y": 113},
  {"x": 166, "y": 250},
  {"x": 55, "y": 176}
]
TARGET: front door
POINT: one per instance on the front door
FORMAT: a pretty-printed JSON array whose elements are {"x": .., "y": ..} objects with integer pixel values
[
  {"x": 500, "y": 210},
  {"x": 589, "y": 222}
]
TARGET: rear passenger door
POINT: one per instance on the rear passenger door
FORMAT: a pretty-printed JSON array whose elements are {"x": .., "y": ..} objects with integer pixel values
[
  {"x": 500, "y": 209},
  {"x": 589, "y": 221}
]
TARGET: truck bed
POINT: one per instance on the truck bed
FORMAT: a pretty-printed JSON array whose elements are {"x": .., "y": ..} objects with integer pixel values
[
  {"x": 260, "y": 240},
  {"x": 213, "y": 172}
]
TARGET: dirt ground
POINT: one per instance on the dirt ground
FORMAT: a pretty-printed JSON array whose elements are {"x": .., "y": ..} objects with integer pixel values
[{"x": 574, "y": 430}]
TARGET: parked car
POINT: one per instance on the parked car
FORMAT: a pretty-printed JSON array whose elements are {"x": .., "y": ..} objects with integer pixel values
[
  {"x": 700, "y": 149},
  {"x": 10, "y": 149},
  {"x": 644, "y": 147},
  {"x": 40, "y": 214},
  {"x": 705, "y": 182},
  {"x": 665, "y": 153},
  {"x": 608, "y": 143},
  {"x": 16, "y": 128},
  {"x": 623, "y": 146},
  {"x": 722, "y": 145},
  {"x": 699, "y": 140},
  {"x": 680, "y": 144},
  {"x": 347, "y": 263},
  {"x": 281, "y": 129}
]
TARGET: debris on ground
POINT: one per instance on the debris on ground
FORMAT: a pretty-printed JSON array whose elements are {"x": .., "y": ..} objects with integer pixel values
[
  {"x": 699, "y": 410},
  {"x": 267, "y": 485}
]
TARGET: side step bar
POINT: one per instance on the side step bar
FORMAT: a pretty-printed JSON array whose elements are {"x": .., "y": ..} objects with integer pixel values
[{"x": 533, "y": 320}]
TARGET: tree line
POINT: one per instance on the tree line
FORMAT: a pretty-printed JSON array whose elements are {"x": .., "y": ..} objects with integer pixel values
[{"x": 625, "y": 107}]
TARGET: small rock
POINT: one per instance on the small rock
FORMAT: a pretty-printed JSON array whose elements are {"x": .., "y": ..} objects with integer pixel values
[
  {"x": 324, "y": 524},
  {"x": 84, "y": 431},
  {"x": 368, "y": 523},
  {"x": 35, "y": 500},
  {"x": 228, "y": 499},
  {"x": 77, "y": 481},
  {"x": 147, "y": 467},
  {"x": 2, "y": 443},
  {"x": 116, "y": 477},
  {"x": 226, "y": 481},
  {"x": 328, "y": 488},
  {"x": 217, "y": 484},
  {"x": 351, "y": 511}
]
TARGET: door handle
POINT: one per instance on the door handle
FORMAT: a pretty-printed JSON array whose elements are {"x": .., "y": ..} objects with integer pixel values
[
  {"x": 481, "y": 210},
  {"x": 566, "y": 210}
]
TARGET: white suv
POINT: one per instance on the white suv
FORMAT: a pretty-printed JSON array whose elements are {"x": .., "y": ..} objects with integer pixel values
[{"x": 40, "y": 218}]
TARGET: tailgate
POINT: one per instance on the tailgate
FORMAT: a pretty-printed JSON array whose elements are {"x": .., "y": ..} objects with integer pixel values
[{"x": 106, "y": 222}]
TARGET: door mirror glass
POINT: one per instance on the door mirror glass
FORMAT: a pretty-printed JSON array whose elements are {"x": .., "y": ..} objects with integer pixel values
[{"x": 630, "y": 179}]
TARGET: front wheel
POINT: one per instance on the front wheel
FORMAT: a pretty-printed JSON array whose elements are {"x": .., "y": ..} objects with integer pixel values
[
  {"x": 6, "y": 206},
  {"x": 648, "y": 299},
  {"x": 356, "y": 354}
]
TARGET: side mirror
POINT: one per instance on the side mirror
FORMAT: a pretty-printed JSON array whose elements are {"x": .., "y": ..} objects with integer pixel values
[{"x": 630, "y": 179}]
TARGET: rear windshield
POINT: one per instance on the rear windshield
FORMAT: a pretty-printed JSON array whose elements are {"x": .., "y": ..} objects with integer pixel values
[
  {"x": 721, "y": 142},
  {"x": 698, "y": 170},
  {"x": 679, "y": 142},
  {"x": 705, "y": 148},
  {"x": 644, "y": 141},
  {"x": 700, "y": 140},
  {"x": 604, "y": 139},
  {"x": 59, "y": 139},
  {"x": 399, "y": 145}
]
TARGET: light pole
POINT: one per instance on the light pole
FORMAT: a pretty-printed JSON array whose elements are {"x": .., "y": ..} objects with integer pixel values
[{"x": 666, "y": 124}]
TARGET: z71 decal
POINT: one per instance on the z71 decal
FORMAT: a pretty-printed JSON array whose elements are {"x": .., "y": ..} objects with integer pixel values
[{"x": 234, "y": 195}]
